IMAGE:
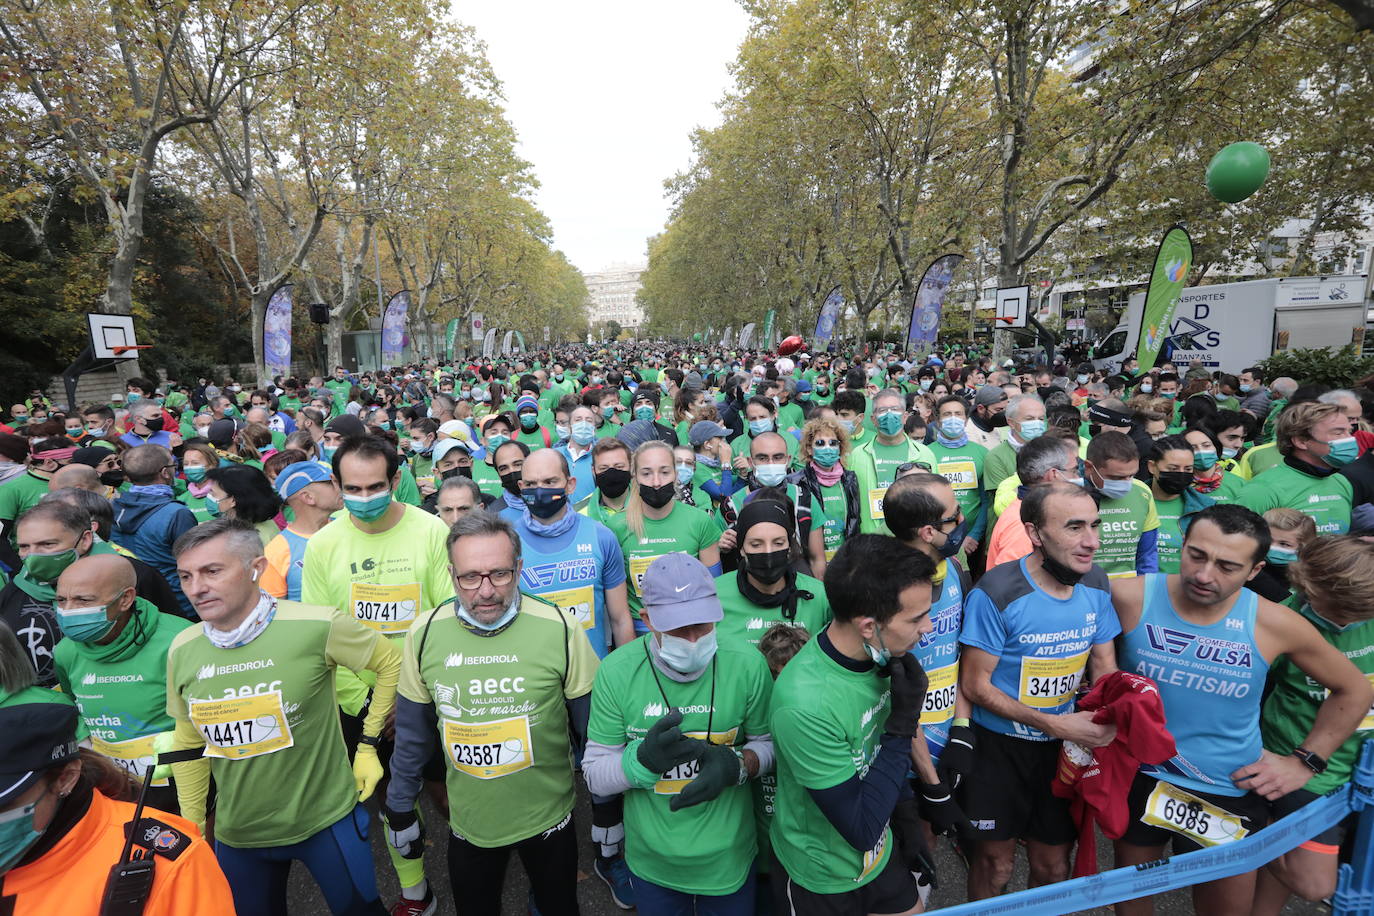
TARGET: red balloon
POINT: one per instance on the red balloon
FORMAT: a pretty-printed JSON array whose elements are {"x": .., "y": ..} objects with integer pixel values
[{"x": 791, "y": 345}]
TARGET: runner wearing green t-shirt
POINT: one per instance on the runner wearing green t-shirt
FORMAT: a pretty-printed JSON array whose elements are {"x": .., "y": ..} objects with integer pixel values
[
  {"x": 1171, "y": 466},
  {"x": 1209, "y": 477},
  {"x": 876, "y": 461},
  {"x": 655, "y": 523},
  {"x": 845, "y": 712},
  {"x": 1130, "y": 524},
  {"x": 498, "y": 683},
  {"x": 253, "y": 687},
  {"x": 833, "y": 488},
  {"x": 960, "y": 461},
  {"x": 679, "y": 724},
  {"x": 1315, "y": 440}
]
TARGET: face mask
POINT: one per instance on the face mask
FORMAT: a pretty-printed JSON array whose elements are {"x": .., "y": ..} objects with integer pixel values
[
  {"x": 686, "y": 473},
  {"x": 489, "y": 629},
  {"x": 1174, "y": 482},
  {"x": 368, "y": 508},
  {"x": 657, "y": 497},
  {"x": 954, "y": 540},
  {"x": 889, "y": 424},
  {"x": 496, "y": 440},
  {"x": 848, "y": 426},
  {"x": 562, "y": 432},
  {"x": 84, "y": 624},
  {"x": 1168, "y": 394},
  {"x": 1032, "y": 429},
  {"x": 94, "y": 430},
  {"x": 1342, "y": 452},
  {"x": 154, "y": 424},
  {"x": 758, "y": 427},
  {"x": 465, "y": 395},
  {"x": 952, "y": 427},
  {"x": 770, "y": 475},
  {"x": 685, "y": 656},
  {"x": 212, "y": 505},
  {"x": 131, "y": 396},
  {"x": 230, "y": 411},
  {"x": 644, "y": 412},
  {"x": 1230, "y": 452},
  {"x": 1246, "y": 389},
  {"x": 46, "y": 567},
  {"x": 17, "y": 835},
  {"x": 1064, "y": 575},
  {"x": 75, "y": 434},
  {"x": 1114, "y": 489},
  {"x": 421, "y": 448},
  {"x": 112, "y": 478},
  {"x": 608, "y": 411},
  {"x": 822, "y": 390},
  {"x": 511, "y": 482},
  {"x": 558, "y": 376},
  {"x": 827, "y": 456},
  {"x": 880, "y": 656},
  {"x": 613, "y": 482},
  {"x": 1281, "y": 556},
  {"x": 484, "y": 396},
  {"x": 1146, "y": 389},
  {"x": 768, "y": 567},
  {"x": 1082, "y": 379},
  {"x": 544, "y": 502},
  {"x": 328, "y": 452},
  {"x": 528, "y": 421},
  {"x": 583, "y": 432},
  {"x": 1205, "y": 460}
]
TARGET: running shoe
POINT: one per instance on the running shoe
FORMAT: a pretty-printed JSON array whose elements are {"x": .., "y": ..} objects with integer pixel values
[
  {"x": 617, "y": 877},
  {"x": 406, "y": 907}
]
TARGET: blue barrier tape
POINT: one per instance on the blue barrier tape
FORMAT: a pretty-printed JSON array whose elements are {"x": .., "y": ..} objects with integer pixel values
[{"x": 1174, "y": 872}]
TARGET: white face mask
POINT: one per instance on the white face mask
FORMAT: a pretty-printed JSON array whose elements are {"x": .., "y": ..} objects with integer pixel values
[{"x": 685, "y": 656}]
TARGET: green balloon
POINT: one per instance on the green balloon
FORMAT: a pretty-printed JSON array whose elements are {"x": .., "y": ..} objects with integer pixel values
[
  {"x": 696, "y": 336},
  {"x": 1237, "y": 171}
]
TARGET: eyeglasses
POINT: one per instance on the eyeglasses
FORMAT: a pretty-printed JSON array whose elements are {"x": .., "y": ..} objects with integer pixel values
[
  {"x": 906, "y": 467},
  {"x": 497, "y": 577}
]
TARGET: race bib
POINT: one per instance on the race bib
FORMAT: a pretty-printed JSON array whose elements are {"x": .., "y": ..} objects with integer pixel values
[
  {"x": 1182, "y": 812},
  {"x": 939, "y": 704},
  {"x": 875, "y": 501},
  {"x": 874, "y": 857},
  {"x": 676, "y": 779},
  {"x": 962, "y": 475},
  {"x": 242, "y": 727},
  {"x": 638, "y": 567},
  {"x": 1047, "y": 683},
  {"x": 385, "y": 608},
  {"x": 579, "y": 602},
  {"x": 133, "y": 756},
  {"x": 489, "y": 750}
]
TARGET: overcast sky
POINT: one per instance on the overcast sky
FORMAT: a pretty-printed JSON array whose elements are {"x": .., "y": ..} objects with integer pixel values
[{"x": 604, "y": 95}]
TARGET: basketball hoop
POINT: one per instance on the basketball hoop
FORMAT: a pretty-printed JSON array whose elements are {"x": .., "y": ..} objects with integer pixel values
[
  {"x": 120, "y": 351},
  {"x": 1005, "y": 319}
]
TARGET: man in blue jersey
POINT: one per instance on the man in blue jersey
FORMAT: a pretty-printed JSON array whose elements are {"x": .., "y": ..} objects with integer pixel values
[
  {"x": 1207, "y": 642},
  {"x": 923, "y": 512},
  {"x": 1031, "y": 629},
  {"x": 575, "y": 562}
]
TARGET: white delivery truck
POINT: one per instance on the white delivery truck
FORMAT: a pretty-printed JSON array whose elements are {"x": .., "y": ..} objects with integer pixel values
[{"x": 1231, "y": 326}]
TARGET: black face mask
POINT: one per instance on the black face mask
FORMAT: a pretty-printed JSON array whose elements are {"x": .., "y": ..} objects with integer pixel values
[
  {"x": 1174, "y": 482},
  {"x": 1060, "y": 573},
  {"x": 768, "y": 567},
  {"x": 154, "y": 424},
  {"x": 112, "y": 478},
  {"x": 456, "y": 472},
  {"x": 613, "y": 482},
  {"x": 998, "y": 420},
  {"x": 657, "y": 497},
  {"x": 1045, "y": 391},
  {"x": 511, "y": 482}
]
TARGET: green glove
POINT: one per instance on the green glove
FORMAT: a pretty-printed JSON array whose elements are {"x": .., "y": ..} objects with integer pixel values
[
  {"x": 665, "y": 746},
  {"x": 162, "y": 743},
  {"x": 720, "y": 769}
]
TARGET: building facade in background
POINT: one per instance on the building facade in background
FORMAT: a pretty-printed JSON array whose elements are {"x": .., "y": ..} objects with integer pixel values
[{"x": 612, "y": 292}]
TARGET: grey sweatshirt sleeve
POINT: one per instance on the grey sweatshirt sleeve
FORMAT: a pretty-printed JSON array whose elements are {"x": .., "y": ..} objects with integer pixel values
[
  {"x": 602, "y": 770},
  {"x": 417, "y": 733}
]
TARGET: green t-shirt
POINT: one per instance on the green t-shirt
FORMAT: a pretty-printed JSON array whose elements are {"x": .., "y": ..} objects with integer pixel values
[
  {"x": 121, "y": 688},
  {"x": 707, "y": 848},
  {"x": 1259, "y": 459},
  {"x": 834, "y": 510},
  {"x": 1326, "y": 499},
  {"x": 502, "y": 718},
  {"x": 1291, "y": 707},
  {"x": 20, "y": 495},
  {"x": 1169, "y": 541},
  {"x": 827, "y": 721},
  {"x": 963, "y": 468},
  {"x": 268, "y": 715},
  {"x": 999, "y": 464},
  {"x": 1124, "y": 520},
  {"x": 487, "y": 480},
  {"x": 686, "y": 529},
  {"x": 1228, "y": 491},
  {"x": 197, "y": 506},
  {"x": 790, "y": 417},
  {"x": 1271, "y": 419},
  {"x": 745, "y": 621},
  {"x": 886, "y": 460},
  {"x": 740, "y": 446}
]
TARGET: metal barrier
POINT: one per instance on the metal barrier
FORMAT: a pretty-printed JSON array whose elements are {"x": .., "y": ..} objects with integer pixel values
[{"x": 1355, "y": 888}]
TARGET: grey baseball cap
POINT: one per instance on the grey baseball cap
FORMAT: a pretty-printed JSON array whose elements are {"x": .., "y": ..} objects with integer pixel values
[
  {"x": 703, "y": 431},
  {"x": 678, "y": 591}
]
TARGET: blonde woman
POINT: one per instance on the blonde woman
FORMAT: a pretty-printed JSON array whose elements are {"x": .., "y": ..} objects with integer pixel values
[
  {"x": 833, "y": 488},
  {"x": 655, "y": 522}
]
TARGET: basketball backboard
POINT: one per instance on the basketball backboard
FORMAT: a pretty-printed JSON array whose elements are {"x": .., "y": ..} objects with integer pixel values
[
  {"x": 1013, "y": 302},
  {"x": 112, "y": 336}
]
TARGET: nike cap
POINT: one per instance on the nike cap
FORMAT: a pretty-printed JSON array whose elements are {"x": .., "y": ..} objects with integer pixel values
[{"x": 678, "y": 591}]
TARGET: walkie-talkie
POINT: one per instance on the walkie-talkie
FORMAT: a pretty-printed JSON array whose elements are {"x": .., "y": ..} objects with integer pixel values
[{"x": 129, "y": 884}]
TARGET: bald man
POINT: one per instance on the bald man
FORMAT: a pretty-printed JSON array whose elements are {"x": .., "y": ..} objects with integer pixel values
[
  {"x": 77, "y": 477},
  {"x": 112, "y": 659}
]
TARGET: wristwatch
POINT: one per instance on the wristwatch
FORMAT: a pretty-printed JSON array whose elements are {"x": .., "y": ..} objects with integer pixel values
[
  {"x": 1312, "y": 761},
  {"x": 374, "y": 740}
]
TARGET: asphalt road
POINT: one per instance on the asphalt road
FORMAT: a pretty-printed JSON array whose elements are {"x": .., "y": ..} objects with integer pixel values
[{"x": 595, "y": 900}]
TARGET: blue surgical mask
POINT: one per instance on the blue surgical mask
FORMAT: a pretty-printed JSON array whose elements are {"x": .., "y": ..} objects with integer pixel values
[
  {"x": 925, "y": 383},
  {"x": 84, "y": 624},
  {"x": 1246, "y": 389},
  {"x": 1114, "y": 489},
  {"x": 1281, "y": 556},
  {"x": 952, "y": 427},
  {"x": 563, "y": 432},
  {"x": 1205, "y": 459},
  {"x": 17, "y": 835},
  {"x": 880, "y": 655},
  {"x": 328, "y": 451},
  {"x": 212, "y": 505},
  {"x": 848, "y": 425},
  {"x": 496, "y": 440},
  {"x": 1230, "y": 452},
  {"x": 770, "y": 475},
  {"x": 1032, "y": 429},
  {"x": 608, "y": 411},
  {"x": 686, "y": 473},
  {"x": 758, "y": 427},
  {"x": 685, "y": 656},
  {"x": 497, "y": 624},
  {"x": 827, "y": 456},
  {"x": 889, "y": 424},
  {"x": 368, "y": 508},
  {"x": 1146, "y": 389},
  {"x": 1168, "y": 394},
  {"x": 1342, "y": 451},
  {"x": 644, "y": 412},
  {"x": 583, "y": 432}
]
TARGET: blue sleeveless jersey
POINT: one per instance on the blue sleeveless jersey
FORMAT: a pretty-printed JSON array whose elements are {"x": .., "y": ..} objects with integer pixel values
[
  {"x": 938, "y": 653},
  {"x": 573, "y": 571},
  {"x": 1211, "y": 680},
  {"x": 297, "y": 544}
]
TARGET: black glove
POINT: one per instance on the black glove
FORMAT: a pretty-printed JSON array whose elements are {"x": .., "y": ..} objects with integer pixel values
[
  {"x": 665, "y": 746},
  {"x": 943, "y": 812},
  {"x": 956, "y": 760},
  {"x": 404, "y": 832},
  {"x": 911, "y": 840},
  {"x": 908, "y": 688},
  {"x": 720, "y": 769}
]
